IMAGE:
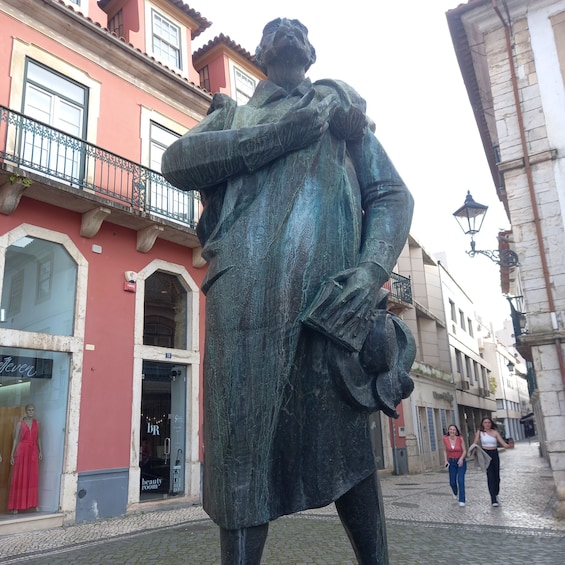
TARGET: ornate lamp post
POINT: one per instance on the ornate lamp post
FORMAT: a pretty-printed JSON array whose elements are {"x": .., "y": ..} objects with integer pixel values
[{"x": 471, "y": 217}]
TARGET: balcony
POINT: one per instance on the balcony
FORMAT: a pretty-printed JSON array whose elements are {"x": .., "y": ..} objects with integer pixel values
[
  {"x": 51, "y": 166},
  {"x": 400, "y": 292}
]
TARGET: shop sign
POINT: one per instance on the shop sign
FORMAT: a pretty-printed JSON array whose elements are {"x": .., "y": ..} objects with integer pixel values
[
  {"x": 151, "y": 484},
  {"x": 447, "y": 396},
  {"x": 17, "y": 367}
]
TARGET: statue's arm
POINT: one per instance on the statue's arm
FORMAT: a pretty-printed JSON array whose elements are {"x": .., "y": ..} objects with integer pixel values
[
  {"x": 349, "y": 312},
  {"x": 388, "y": 205},
  {"x": 202, "y": 159}
]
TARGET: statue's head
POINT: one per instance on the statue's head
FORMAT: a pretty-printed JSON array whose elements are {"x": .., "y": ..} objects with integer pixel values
[{"x": 286, "y": 40}]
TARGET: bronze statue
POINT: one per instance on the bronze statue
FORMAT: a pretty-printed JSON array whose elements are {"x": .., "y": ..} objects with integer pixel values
[{"x": 304, "y": 218}]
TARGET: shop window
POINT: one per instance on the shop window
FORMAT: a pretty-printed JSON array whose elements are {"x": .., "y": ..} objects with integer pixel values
[
  {"x": 39, "y": 287},
  {"x": 163, "y": 430},
  {"x": 15, "y": 293},
  {"x": 165, "y": 311},
  {"x": 37, "y": 378}
]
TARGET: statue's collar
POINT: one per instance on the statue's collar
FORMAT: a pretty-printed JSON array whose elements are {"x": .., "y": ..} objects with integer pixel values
[{"x": 267, "y": 92}]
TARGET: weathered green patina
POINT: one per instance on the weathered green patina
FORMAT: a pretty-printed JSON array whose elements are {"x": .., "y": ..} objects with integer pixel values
[{"x": 297, "y": 192}]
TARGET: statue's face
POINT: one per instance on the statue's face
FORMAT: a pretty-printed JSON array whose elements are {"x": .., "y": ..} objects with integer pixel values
[{"x": 285, "y": 40}]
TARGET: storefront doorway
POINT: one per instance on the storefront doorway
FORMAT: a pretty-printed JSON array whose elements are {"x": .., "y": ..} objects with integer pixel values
[{"x": 163, "y": 424}]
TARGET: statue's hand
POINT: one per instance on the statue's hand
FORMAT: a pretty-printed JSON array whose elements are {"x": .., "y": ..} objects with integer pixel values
[
  {"x": 304, "y": 123},
  {"x": 355, "y": 304},
  {"x": 348, "y": 124}
]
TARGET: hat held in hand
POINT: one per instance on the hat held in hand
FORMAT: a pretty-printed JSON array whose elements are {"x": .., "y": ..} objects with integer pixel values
[{"x": 378, "y": 377}]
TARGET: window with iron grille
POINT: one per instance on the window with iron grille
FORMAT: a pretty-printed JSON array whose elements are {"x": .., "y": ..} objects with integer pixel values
[
  {"x": 166, "y": 44},
  {"x": 60, "y": 103},
  {"x": 166, "y": 200},
  {"x": 161, "y": 196}
]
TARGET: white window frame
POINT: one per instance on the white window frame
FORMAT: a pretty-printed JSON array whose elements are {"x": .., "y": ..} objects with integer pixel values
[
  {"x": 21, "y": 50},
  {"x": 149, "y": 119},
  {"x": 73, "y": 344},
  {"x": 65, "y": 98},
  {"x": 151, "y": 10},
  {"x": 239, "y": 92}
]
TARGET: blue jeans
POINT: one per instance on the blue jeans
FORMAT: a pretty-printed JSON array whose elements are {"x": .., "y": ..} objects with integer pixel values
[{"x": 457, "y": 478}]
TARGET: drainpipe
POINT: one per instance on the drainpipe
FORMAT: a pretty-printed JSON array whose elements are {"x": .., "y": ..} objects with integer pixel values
[{"x": 527, "y": 165}]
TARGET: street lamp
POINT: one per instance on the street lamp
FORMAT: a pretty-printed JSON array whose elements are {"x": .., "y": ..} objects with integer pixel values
[{"x": 471, "y": 217}]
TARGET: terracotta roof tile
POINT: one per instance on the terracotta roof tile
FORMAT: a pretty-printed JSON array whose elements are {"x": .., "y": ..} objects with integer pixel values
[
  {"x": 228, "y": 42},
  {"x": 202, "y": 22},
  {"x": 131, "y": 46}
]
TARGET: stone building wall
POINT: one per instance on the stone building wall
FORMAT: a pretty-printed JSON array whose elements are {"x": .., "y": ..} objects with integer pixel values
[{"x": 532, "y": 51}]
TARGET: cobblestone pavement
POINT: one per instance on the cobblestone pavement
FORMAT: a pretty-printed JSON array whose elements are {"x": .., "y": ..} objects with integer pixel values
[{"x": 425, "y": 527}]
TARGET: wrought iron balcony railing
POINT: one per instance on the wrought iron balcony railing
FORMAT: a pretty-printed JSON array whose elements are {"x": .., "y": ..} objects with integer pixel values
[
  {"x": 35, "y": 146},
  {"x": 400, "y": 288}
]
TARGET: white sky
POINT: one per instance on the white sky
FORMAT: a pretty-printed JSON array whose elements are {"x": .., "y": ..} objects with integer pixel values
[{"x": 399, "y": 56}]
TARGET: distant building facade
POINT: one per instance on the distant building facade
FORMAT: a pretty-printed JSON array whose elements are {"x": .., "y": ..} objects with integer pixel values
[{"x": 472, "y": 373}]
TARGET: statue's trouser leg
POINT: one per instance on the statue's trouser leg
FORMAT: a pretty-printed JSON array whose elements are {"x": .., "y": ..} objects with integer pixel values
[
  {"x": 362, "y": 514},
  {"x": 243, "y": 546}
]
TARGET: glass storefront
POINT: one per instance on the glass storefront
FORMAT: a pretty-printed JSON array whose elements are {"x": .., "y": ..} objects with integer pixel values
[
  {"x": 39, "y": 378},
  {"x": 38, "y": 296},
  {"x": 39, "y": 288},
  {"x": 163, "y": 424},
  {"x": 163, "y": 393}
]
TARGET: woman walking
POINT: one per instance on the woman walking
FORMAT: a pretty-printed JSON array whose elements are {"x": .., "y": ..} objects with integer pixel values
[
  {"x": 488, "y": 437},
  {"x": 454, "y": 455}
]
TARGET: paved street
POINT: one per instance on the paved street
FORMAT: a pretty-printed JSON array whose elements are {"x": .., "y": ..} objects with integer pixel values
[{"x": 425, "y": 526}]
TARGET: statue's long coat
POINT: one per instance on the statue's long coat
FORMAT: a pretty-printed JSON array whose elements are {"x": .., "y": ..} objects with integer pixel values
[{"x": 277, "y": 436}]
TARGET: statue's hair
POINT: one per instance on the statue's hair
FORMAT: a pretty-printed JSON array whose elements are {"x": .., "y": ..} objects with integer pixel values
[{"x": 276, "y": 21}]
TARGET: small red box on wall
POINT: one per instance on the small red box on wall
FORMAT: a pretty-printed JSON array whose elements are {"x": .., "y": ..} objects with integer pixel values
[{"x": 130, "y": 286}]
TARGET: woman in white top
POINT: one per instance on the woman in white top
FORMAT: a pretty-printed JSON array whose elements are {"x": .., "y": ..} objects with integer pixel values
[{"x": 488, "y": 438}]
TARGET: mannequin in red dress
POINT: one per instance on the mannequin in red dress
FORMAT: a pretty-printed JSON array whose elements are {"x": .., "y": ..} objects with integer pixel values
[{"x": 25, "y": 456}]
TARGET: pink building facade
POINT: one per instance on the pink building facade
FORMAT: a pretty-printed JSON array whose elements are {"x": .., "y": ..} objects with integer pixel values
[{"x": 101, "y": 318}]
